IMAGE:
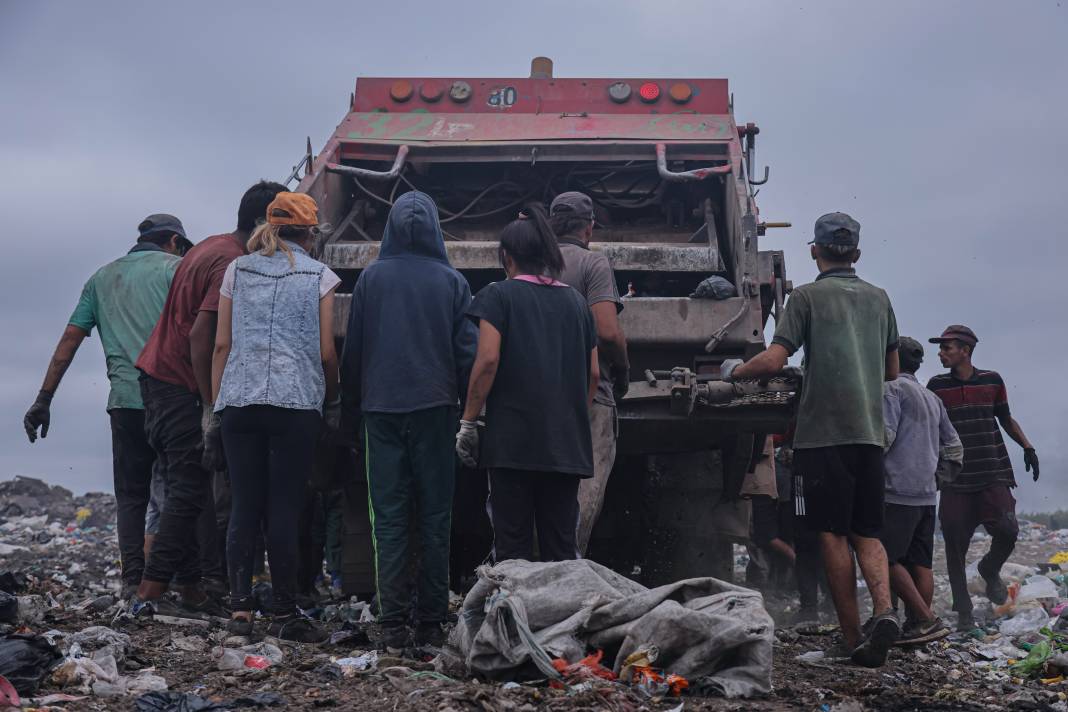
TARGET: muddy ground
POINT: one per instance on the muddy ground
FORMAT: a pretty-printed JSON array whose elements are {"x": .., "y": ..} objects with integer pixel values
[{"x": 61, "y": 551}]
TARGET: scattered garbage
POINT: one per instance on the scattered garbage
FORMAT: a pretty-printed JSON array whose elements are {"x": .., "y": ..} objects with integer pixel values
[
  {"x": 9, "y": 696},
  {"x": 359, "y": 663},
  {"x": 257, "y": 656},
  {"x": 1024, "y": 621},
  {"x": 160, "y": 701},
  {"x": 25, "y": 661}
]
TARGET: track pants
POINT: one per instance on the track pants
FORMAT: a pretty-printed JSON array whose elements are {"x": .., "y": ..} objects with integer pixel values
[
  {"x": 411, "y": 471},
  {"x": 960, "y": 513}
]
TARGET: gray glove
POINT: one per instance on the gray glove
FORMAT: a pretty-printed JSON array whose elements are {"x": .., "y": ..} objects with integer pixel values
[
  {"x": 794, "y": 372},
  {"x": 213, "y": 459},
  {"x": 38, "y": 416},
  {"x": 726, "y": 369},
  {"x": 467, "y": 443}
]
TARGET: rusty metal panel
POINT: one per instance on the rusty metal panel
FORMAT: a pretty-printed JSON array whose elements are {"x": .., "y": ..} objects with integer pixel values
[
  {"x": 449, "y": 127},
  {"x": 534, "y": 96},
  {"x": 647, "y": 321},
  {"x": 483, "y": 255}
]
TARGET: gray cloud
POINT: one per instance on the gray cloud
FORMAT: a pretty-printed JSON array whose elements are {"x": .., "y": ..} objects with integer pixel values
[{"x": 940, "y": 126}]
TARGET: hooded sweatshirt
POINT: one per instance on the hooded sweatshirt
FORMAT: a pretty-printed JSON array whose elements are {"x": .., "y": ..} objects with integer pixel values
[{"x": 409, "y": 344}]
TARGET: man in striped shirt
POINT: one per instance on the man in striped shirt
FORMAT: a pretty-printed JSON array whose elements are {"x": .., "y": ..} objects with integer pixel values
[{"x": 978, "y": 404}]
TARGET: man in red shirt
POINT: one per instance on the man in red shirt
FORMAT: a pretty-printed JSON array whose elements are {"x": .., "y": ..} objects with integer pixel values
[{"x": 176, "y": 388}]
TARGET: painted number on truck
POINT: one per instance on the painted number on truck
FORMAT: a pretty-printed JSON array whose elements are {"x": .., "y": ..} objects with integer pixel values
[{"x": 503, "y": 97}]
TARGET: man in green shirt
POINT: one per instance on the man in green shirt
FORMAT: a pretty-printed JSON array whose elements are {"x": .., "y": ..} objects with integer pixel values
[
  {"x": 849, "y": 333},
  {"x": 123, "y": 300}
]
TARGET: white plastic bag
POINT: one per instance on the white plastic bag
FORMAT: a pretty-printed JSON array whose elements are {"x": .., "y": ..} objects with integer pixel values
[{"x": 1025, "y": 621}]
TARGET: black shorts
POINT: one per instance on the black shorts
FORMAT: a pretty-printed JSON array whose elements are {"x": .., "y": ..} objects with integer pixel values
[
  {"x": 908, "y": 534},
  {"x": 772, "y": 519},
  {"x": 839, "y": 489}
]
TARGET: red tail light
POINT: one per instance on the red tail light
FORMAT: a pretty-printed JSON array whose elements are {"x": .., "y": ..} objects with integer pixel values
[{"x": 649, "y": 92}]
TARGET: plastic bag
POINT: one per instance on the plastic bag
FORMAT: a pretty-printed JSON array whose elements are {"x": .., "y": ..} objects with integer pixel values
[
  {"x": 25, "y": 660},
  {"x": 9, "y": 607},
  {"x": 714, "y": 287},
  {"x": 1024, "y": 621},
  {"x": 1036, "y": 588}
]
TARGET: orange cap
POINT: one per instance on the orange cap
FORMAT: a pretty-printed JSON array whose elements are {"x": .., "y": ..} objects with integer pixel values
[{"x": 293, "y": 209}]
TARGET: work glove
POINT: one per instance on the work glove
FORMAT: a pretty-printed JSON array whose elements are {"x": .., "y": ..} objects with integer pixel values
[
  {"x": 213, "y": 459},
  {"x": 1030, "y": 461},
  {"x": 794, "y": 372},
  {"x": 467, "y": 443},
  {"x": 332, "y": 416},
  {"x": 38, "y": 416},
  {"x": 726, "y": 369},
  {"x": 620, "y": 381}
]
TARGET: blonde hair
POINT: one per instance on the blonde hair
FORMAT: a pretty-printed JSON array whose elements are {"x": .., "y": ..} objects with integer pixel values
[{"x": 267, "y": 239}]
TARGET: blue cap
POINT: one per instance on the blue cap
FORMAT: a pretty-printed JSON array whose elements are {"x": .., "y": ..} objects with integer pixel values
[
  {"x": 836, "y": 229},
  {"x": 161, "y": 222}
]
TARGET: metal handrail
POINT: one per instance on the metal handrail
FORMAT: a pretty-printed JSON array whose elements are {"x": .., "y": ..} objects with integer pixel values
[
  {"x": 393, "y": 172},
  {"x": 685, "y": 176}
]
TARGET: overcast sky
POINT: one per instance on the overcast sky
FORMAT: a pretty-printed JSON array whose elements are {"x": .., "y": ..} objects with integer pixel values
[{"x": 941, "y": 126}]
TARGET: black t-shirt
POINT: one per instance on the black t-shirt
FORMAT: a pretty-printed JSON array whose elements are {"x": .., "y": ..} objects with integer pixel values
[{"x": 537, "y": 413}]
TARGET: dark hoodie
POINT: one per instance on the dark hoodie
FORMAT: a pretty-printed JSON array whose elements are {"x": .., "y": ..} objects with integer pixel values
[{"x": 409, "y": 346}]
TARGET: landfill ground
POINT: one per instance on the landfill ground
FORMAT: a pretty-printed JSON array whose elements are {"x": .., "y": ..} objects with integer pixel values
[{"x": 61, "y": 551}]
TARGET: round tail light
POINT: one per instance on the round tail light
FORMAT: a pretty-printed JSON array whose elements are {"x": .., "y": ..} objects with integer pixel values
[{"x": 649, "y": 92}]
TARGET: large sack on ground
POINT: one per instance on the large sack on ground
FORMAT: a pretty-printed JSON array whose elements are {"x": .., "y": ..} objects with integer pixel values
[{"x": 520, "y": 615}]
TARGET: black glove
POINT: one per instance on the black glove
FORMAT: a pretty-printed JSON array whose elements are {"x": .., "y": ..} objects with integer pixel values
[
  {"x": 213, "y": 459},
  {"x": 620, "y": 382},
  {"x": 39, "y": 415},
  {"x": 1030, "y": 461}
]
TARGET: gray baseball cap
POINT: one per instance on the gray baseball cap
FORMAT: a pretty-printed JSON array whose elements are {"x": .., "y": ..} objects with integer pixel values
[
  {"x": 836, "y": 229},
  {"x": 161, "y": 222},
  {"x": 910, "y": 348},
  {"x": 572, "y": 202}
]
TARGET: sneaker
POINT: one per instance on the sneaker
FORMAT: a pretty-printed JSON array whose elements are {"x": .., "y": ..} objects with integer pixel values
[
  {"x": 919, "y": 632},
  {"x": 393, "y": 639},
  {"x": 296, "y": 629},
  {"x": 134, "y": 610},
  {"x": 207, "y": 609},
  {"x": 429, "y": 635},
  {"x": 873, "y": 650},
  {"x": 838, "y": 651},
  {"x": 239, "y": 625}
]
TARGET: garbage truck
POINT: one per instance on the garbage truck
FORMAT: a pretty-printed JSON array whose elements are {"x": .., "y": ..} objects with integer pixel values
[{"x": 673, "y": 179}]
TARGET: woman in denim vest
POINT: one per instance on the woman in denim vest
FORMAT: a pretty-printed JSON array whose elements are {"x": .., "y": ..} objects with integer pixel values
[{"x": 274, "y": 368}]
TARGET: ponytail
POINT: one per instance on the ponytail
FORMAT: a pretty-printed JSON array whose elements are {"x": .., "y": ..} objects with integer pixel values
[
  {"x": 531, "y": 243},
  {"x": 267, "y": 239}
]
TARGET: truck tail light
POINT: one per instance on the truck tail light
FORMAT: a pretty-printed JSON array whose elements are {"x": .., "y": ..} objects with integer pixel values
[
  {"x": 401, "y": 90},
  {"x": 649, "y": 92},
  {"x": 460, "y": 92},
  {"x": 680, "y": 93},
  {"x": 619, "y": 92},
  {"x": 431, "y": 92}
]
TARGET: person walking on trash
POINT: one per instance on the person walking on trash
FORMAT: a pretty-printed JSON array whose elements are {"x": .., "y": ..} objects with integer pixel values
[
  {"x": 849, "y": 333},
  {"x": 407, "y": 355},
  {"x": 122, "y": 300},
  {"x": 274, "y": 370},
  {"x": 978, "y": 403},
  {"x": 922, "y": 450},
  {"x": 571, "y": 218},
  {"x": 537, "y": 373},
  {"x": 175, "y": 382}
]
